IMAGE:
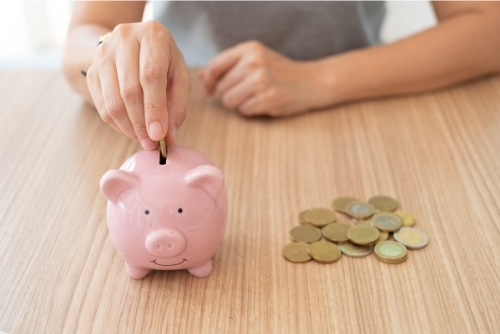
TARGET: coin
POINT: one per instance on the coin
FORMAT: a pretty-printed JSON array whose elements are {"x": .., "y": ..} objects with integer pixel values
[
  {"x": 359, "y": 210},
  {"x": 388, "y": 222},
  {"x": 297, "y": 252},
  {"x": 350, "y": 249},
  {"x": 390, "y": 251},
  {"x": 393, "y": 261},
  {"x": 336, "y": 232},
  {"x": 324, "y": 252},
  {"x": 302, "y": 217},
  {"x": 383, "y": 236},
  {"x": 411, "y": 237},
  {"x": 319, "y": 216},
  {"x": 408, "y": 219},
  {"x": 305, "y": 233},
  {"x": 163, "y": 149},
  {"x": 340, "y": 203},
  {"x": 363, "y": 234},
  {"x": 384, "y": 203}
]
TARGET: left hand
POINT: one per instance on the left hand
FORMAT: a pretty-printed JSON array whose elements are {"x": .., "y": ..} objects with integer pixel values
[{"x": 255, "y": 80}]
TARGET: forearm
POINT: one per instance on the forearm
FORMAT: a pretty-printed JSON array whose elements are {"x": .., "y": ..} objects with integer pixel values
[
  {"x": 79, "y": 54},
  {"x": 458, "y": 49}
]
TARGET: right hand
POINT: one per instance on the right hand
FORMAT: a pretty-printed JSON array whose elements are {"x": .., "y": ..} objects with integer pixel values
[{"x": 139, "y": 83}]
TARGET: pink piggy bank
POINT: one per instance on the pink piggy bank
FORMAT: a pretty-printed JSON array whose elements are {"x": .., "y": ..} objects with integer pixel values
[{"x": 166, "y": 217}]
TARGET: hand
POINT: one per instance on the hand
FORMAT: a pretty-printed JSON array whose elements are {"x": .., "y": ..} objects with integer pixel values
[
  {"x": 139, "y": 83},
  {"x": 255, "y": 80}
]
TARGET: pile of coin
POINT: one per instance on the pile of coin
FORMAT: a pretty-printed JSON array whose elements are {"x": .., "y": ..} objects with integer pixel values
[{"x": 376, "y": 227}]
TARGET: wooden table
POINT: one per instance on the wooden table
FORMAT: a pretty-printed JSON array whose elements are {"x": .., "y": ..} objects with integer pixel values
[{"x": 438, "y": 154}]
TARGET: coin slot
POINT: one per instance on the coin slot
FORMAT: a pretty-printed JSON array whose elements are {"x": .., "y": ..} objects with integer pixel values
[{"x": 163, "y": 160}]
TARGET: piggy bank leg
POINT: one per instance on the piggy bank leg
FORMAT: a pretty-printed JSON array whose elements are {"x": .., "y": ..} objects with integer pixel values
[
  {"x": 135, "y": 272},
  {"x": 202, "y": 271}
]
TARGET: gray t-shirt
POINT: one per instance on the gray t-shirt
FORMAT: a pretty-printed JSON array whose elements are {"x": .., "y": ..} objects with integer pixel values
[{"x": 299, "y": 30}]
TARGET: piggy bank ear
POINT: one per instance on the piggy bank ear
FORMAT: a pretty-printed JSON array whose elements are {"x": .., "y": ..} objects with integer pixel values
[
  {"x": 208, "y": 177},
  {"x": 116, "y": 181}
]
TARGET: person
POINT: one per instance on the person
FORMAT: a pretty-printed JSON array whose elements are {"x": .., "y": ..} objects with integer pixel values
[{"x": 263, "y": 58}]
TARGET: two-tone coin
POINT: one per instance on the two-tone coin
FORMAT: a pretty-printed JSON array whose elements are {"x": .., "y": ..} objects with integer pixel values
[
  {"x": 411, "y": 237},
  {"x": 388, "y": 222},
  {"x": 297, "y": 252},
  {"x": 336, "y": 232},
  {"x": 391, "y": 252},
  {"x": 359, "y": 210},
  {"x": 339, "y": 203},
  {"x": 324, "y": 252}
]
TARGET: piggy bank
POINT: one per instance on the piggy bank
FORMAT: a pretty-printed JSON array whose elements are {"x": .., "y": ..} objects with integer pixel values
[{"x": 166, "y": 216}]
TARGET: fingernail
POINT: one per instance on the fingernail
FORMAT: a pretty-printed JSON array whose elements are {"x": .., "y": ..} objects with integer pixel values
[
  {"x": 155, "y": 130},
  {"x": 148, "y": 144}
]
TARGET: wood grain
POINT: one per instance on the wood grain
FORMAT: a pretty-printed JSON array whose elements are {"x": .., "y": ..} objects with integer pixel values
[{"x": 438, "y": 153}]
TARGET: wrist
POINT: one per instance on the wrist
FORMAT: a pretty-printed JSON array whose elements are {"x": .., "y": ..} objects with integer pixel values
[{"x": 325, "y": 81}]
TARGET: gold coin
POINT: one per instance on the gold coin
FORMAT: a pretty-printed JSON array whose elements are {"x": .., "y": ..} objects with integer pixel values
[
  {"x": 340, "y": 203},
  {"x": 408, "y": 219},
  {"x": 324, "y": 252},
  {"x": 390, "y": 251},
  {"x": 363, "y": 234},
  {"x": 359, "y": 210},
  {"x": 163, "y": 149},
  {"x": 297, "y": 252},
  {"x": 411, "y": 237},
  {"x": 336, "y": 232},
  {"x": 383, "y": 236},
  {"x": 392, "y": 261},
  {"x": 305, "y": 233},
  {"x": 350, "y": 249},
  {"x": 302, "y": 217},
  {"x": 388, "y": 222},
  {"x": 384, "y": 203},
  {"x": 319, "y": 216}
]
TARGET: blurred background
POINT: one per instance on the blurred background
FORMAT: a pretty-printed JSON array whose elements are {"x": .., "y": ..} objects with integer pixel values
[{"x": 33, "y": 32}]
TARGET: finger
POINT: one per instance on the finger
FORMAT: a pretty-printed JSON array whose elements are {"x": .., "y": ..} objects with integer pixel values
[
  {"x": 220, "y": 65},
  {"x": 253, "y": 106},
  {"x": 127, "y": 65},
  {"x": 231, "y": 78},
  {"x": 233, "y": 98},
  {"x": 95, "y": 90},
  {"x": 177, "y": 97},
  {"x": 201, "y": 73},
  {"x": 153, "y": 67},
  {"x": 112, "y": 101}
]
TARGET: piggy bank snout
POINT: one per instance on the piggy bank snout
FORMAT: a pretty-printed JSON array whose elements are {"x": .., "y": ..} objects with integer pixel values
[{"x": 165, "y": 243}]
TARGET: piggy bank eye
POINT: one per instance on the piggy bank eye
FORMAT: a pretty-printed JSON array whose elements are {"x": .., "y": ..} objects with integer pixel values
[
  {"x": 180, "y": 210},
  {"x": 146, "y": 212}
]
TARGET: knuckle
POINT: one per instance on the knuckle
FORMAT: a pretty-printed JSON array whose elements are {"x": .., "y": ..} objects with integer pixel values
[
  {"x": 114, "y": 109},
  {"x": 157, "y": 30},
  {"x": 271, "y": 95},
  {"x": 227, "y": 102},
  {"x": 153, "y": 109},
  {"x": 254, "y": 45},
  {"x": 105, "y": 116},
  {"x": 262, "y": 78},
  {"x": 150, "y": 74},
  {"x": 140, "y": 129},
  {"x": 131, "y": 92}
]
